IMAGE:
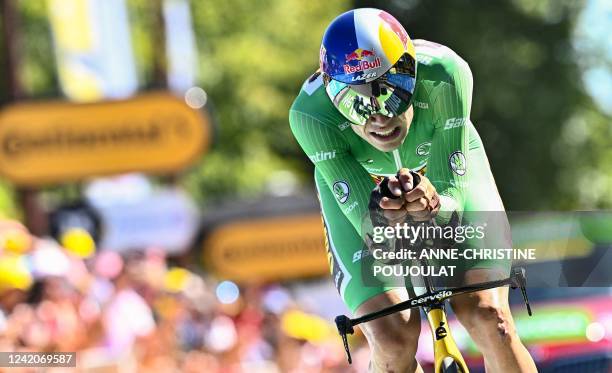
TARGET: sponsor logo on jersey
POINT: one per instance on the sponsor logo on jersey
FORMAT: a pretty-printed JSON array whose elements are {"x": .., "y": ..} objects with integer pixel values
[
  {"x": 322, "y": 156},
  {"x": 423, "y": 149},
  {"x": 454, "y": 123},
  {"x": 360, "y": 254},
  {"x": 341, "y": 191},
  {"x": 420, "y": 105},
  {"x": 351, "y": 207},
  {"x": 458, "y": 163},
  {"x": 366, "y": 60},
  {"x": 344, "y": 126}
]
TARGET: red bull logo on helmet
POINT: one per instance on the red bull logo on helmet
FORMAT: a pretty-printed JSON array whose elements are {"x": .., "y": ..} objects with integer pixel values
[
  {"x": 366, "y": 59},
  {"x": 359, "y": 54}
]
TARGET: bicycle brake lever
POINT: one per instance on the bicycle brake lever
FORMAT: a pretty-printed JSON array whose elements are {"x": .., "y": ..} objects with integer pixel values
[
  {"x": 519, "y": 280},
  {"x": 345, "y": 327}
]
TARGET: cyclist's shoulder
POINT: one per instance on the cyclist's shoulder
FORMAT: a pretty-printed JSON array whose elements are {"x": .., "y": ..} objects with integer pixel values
[
  {"x": 438, "y": 63},
  {"x": 312, "y": 98},
  {"x": 312, "y": 107}
]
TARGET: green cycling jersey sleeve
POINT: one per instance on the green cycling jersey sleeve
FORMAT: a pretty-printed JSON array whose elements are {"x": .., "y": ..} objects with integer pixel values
[
  {"x": 326, "y": 147},
  {"x": 451, "y": 102}
]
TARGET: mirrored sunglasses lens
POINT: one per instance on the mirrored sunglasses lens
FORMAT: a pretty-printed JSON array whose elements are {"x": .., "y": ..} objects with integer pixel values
[
  {"x": 389, "y": 96},
  {"x": 348, "y": 102}
]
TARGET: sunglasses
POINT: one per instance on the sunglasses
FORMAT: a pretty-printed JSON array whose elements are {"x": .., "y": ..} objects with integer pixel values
[{"x": 389, "y": 95}]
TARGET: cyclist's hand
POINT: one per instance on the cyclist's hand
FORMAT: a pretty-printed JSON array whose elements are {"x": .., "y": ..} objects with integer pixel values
[
  {"x": 423, "y": 202},
  {"x": 395, "y": 209},
  {"x": 397, "y": 185}
]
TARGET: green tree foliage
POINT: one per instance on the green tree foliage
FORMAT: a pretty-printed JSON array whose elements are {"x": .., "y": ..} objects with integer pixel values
[
  {"x": 37, "y": 69},
  {"x": 585, "y": 141},
  {"x": 529, "y": 97},
  {"x": 254, "y": 57},
  {"x": 8, "y": 208},
  {"x": 35, "y": 72}
]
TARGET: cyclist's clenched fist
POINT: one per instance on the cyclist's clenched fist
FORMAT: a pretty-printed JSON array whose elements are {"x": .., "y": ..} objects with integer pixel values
[{"x": 420, "y": 202}]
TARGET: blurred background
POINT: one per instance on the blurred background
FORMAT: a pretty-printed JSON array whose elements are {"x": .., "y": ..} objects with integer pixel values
[{"x": 156, "y": 213}]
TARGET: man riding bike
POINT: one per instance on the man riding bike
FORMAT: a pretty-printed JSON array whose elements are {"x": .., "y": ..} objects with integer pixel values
[{"x": 369, "y": 111}]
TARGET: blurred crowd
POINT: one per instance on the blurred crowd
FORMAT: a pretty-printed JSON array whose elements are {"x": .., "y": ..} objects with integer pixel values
[{"x": 135, "y": 311}]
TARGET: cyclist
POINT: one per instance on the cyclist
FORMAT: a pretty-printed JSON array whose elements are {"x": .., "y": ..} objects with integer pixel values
[{"x": 369, "y": 111}]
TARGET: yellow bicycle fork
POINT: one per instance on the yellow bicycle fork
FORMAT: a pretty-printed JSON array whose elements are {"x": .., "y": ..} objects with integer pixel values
[{"x": 444, "y": 344}]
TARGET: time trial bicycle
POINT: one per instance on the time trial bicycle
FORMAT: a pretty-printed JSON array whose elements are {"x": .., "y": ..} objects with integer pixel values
[{"x": 447, "y": 357}]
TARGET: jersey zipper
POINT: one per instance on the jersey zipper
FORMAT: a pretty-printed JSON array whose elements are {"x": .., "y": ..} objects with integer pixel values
[{"x": 397, "y": 159}]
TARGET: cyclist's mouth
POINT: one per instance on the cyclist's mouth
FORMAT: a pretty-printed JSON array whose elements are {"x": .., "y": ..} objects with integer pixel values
[{"x": 386, "y": 135}]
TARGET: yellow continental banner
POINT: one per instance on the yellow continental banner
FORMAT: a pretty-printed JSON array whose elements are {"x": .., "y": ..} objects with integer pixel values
[
  {"x": 267, "y": 249},
  {"x": 53, "y": 142}
]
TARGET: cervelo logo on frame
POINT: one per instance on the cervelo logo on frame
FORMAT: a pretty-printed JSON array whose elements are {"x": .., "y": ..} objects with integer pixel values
[
  {"x": 432, "y": 298},
  {"x": 366, "y": 60}
]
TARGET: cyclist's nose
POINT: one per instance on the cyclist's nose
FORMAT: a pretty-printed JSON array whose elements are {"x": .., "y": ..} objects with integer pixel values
[{"x": 379, "y": 120}]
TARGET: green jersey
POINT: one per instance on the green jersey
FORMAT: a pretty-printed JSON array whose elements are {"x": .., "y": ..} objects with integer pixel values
[{"x": 441, "y": 143}]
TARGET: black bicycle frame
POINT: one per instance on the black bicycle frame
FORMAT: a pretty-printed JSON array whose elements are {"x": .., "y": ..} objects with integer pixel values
[{"x": 433, "y": 298}]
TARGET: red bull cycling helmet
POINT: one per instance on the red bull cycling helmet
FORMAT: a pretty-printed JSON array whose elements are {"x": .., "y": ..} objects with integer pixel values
[{"x": 368, "y": 64}]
